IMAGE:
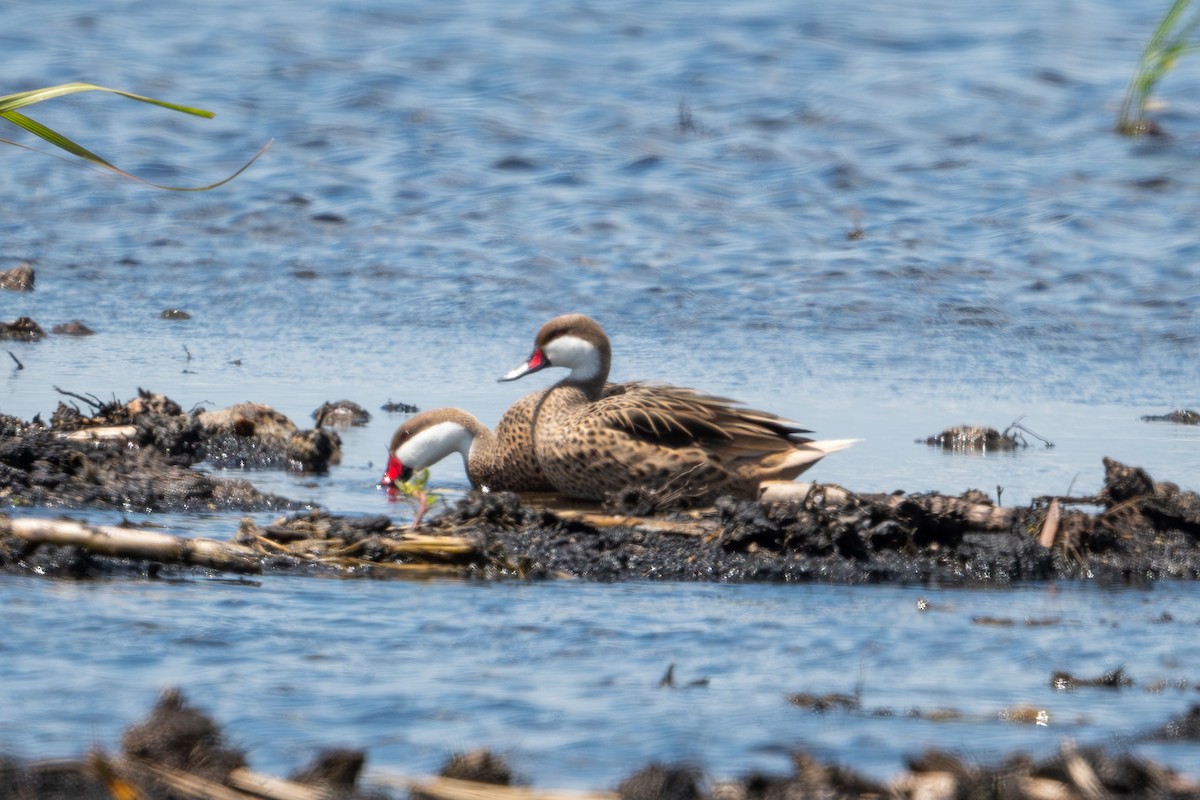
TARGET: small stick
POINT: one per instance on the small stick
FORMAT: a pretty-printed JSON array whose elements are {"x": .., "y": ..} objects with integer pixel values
[
  {"x": 14, "y": 358},
  {"x": 93, "y": 401},
  {"x": 274, "y": 788},
  {"x": 1050, "y": 526},
  {"x": 1017, "y": 425},
  {"x": 457, "y": 789},
  {"x": 183, "y": 783}
]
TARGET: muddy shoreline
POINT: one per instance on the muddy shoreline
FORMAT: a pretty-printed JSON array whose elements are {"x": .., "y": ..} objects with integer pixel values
[
  {"x": 178, "y": 751},
  {"x": 140, "y": 455}
]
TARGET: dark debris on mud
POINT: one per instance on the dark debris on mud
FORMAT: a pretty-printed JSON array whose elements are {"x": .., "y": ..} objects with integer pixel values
[
  {"x": 20, "y": 278},
  {"x": 1145, "y": 531},
  {"x": 178, "y": 751},
  {"x": 22, "y": 329},
  {"x": 138, "y": 455},
  {"x": 1180, "y": 416}
]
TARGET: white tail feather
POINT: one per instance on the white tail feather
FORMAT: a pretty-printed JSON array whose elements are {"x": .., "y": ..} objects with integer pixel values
[{"x": 807, "y": 454}]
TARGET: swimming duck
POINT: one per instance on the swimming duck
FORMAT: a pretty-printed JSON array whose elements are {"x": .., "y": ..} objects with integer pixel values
[
  {"x": 503, "y": 460},
  {"x": 591, "y": 437}
]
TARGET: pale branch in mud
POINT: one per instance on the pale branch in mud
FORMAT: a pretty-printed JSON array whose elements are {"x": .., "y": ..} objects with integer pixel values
[
  {"x": 458, "y": 789},
  {"x": 596, "y": 520},
  {"x": 1050, "y": 525},
  {"x": 103, "y": 433},
  {"x": 110, "y": 540}
]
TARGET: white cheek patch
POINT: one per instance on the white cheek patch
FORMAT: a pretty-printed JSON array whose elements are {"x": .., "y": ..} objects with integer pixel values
[
  {"x": 433, "y": 444},
  {"x": 579, "y": 355}
]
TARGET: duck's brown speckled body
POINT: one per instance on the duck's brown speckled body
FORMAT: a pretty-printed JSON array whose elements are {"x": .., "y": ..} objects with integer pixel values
[{"x": 592, "y": 438}]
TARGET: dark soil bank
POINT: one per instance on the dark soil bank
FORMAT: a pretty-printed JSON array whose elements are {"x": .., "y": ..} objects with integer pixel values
[
  {"x": 137, "y": 456},
  {"x": 1145, "y": 529},
  {"x": 179, "y": 752}
]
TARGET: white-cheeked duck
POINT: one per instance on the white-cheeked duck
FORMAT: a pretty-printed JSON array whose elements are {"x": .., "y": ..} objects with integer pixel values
[{"x": 591, "y": 437}]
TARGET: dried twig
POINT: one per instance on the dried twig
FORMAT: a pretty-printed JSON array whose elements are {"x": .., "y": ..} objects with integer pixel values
[
  {"x": 184, "y": 784},
  {"x": 91, "y": 400},
  {"x": 680, "y": 528},
  {"x": 1050, "y": 526},
  {"x": 456, "y": 789},
  {"x": 273, "y": 788}
]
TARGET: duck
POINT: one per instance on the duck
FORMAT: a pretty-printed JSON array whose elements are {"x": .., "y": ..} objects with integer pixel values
[
  {"x": 592, "y": 437},
  {"x": 500, "y": 460}
]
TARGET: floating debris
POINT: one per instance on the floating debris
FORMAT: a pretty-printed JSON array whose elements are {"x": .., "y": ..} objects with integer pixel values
[
  {"x": 22, "y": 329},
  {"x": 17, "y": 279},
  {"x": 1180, "y": 416},
  {"x": 72, "y": 328},
  {"x": 341, "y": 414},
  {"x": 398, "y": 408},
  {"x": 1114, "y": 679},
  {"x": 825, "y": 702},
  {"x": 979, "y": 439}
]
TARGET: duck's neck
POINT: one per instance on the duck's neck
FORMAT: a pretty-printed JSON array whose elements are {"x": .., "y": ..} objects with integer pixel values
[
  {"x": 591, "y": 366},
  {"x": 482, "y": 451}
]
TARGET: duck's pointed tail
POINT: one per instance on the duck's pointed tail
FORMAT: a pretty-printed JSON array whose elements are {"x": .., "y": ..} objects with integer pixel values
[{"x": 807, "y": 454}]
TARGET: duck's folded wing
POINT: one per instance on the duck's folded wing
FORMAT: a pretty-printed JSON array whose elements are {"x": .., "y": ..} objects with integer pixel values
[{"x": 677, "y": 417}]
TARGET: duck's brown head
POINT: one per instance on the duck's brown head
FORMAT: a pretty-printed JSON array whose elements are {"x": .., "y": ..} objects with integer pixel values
[
  {"x": 573, "y": 341},
  {"x": 426, "y": 439}
]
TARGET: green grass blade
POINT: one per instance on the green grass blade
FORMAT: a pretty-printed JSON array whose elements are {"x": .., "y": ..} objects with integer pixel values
[
  {"x": 10, "y": 103},
  {"x": 54, "y": 138},
  {"x": 22, "y": 99},
  {"x": 1170, "y": 40}
]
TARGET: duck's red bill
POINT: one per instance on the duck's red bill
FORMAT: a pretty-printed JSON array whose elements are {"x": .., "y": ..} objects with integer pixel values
[{"x": 396, "y": 471}]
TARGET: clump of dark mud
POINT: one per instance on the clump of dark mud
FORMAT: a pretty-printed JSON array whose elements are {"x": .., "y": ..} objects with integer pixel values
[
  {"x": 480, "y": 766},
  {"x": 335, "y": 770},
  {"x": 178, "y": 736},
  {"x": 138, "y": 456},
  {"x": 72, "y": 328},
  {"x": 251, "y": 435},
  {"x": 663, "y": 782},
  {"x": 22, "y": 329}
]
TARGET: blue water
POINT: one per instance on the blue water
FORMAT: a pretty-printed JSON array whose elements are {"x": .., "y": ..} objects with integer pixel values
[
  {"x": 445, "y": 177},
  {"x": 563, "y": 679}
]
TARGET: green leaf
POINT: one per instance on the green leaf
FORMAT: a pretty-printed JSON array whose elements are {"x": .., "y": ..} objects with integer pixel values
[
  {"x": 1170, "y": 40},
  {"x": 22, "y": 99},
  {"x": 10, "y": 103}
]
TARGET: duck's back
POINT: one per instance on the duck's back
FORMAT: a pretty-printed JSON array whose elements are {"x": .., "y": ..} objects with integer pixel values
[{"x": 666, "y": 438}]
